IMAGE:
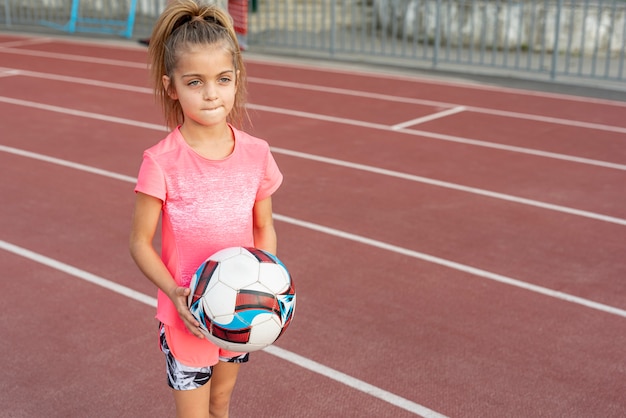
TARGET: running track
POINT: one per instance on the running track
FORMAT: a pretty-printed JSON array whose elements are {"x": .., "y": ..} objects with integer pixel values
[{"x": 458, "y": 248}]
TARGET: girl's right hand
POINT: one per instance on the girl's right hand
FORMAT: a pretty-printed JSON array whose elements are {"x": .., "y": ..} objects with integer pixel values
[{"x": 179, "y": 296}]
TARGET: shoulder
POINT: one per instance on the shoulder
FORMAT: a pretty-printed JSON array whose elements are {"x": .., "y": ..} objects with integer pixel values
[
  {"x": 248, "y": 141},
  {"x": 166, "y": 146}
]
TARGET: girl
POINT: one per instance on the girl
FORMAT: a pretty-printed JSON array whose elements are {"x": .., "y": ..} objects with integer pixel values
[{"x": 211, "y": 185}]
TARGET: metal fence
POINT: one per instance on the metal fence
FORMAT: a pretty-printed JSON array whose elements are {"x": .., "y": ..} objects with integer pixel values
[
  {"x": 549, "y": 39},
  {"x": 126, "y": 18}
]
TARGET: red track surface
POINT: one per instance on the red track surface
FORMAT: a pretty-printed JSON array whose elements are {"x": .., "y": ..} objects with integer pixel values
[{"x": 473, "y": 264}]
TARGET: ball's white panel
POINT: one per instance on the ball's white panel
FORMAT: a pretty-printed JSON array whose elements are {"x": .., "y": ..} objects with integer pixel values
[
  {"x": 219, "y": 300},
  {"x": 239, "y": 271},
  {"x": 259, "y": 287},
  {"x": 274, "y": 277},
  {"x": 239, "y": 348},
  {"x": 265, "y": 330},
  {"x": 226, "y": 253}
]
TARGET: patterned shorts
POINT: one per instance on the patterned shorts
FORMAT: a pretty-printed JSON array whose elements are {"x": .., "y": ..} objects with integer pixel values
[{"x": 182, "y": 377}]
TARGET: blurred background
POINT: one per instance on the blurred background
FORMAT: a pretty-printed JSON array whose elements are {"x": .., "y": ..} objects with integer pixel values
[{"x": 580, "y": 42}]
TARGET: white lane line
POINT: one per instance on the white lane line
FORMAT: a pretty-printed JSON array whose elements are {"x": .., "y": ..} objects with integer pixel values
[
  {"x": 82, "y": 114},
  {"x": 395, "y": 128},
  {"x": 433, "y": 103},
  {"x": 281, "y": 353},
  {"x": 373, "y": 243},
  {"x": 352, "y": 382},
  {"x": 69, "y": 164},
  {"x": 79, "y": 80},
  {"x": 453, "y": 186},
  {"x": 76, "y": 272},
  {"x": 442, "y": 137},
  {"x": 454, "y": 265},
  {"x": 428, "y": 118},
  {"x": 362, "y": 167},
  {"x": 454, "y": 108},
  {"x": 333, "y": 119},
  {"x": 354, "y": 93},
  {"x": 549, "y": 119},
  {"x": 7, "y": 72},
  {"x": 25, "y": 42},
  {"x": 438, "y": 81},
  {"x": 75, "y": 58}
]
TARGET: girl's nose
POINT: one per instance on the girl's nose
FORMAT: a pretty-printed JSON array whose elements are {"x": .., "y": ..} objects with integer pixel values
[{"x": 209, "y": 92}]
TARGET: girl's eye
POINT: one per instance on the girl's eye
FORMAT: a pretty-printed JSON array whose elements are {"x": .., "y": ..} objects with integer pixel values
[
  {"x": 224, "y": 80},
  {"x": 193, "y": 83}
]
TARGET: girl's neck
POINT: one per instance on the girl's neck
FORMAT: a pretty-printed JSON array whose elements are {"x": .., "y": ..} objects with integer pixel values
[{"x": 214, "y": 142}]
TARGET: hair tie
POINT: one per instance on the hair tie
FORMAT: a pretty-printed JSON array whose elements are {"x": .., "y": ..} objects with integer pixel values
[{"x": 182, "y": 21}]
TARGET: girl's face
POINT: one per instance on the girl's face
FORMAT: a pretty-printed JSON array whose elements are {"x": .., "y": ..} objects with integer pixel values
[{"x": 204, "y": 82}]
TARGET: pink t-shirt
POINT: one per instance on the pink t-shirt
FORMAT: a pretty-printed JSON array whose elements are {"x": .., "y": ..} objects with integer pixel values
[{"x": 207, "y": 206}]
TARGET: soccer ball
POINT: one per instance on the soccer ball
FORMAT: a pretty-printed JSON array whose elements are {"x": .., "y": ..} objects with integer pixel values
[{"x": 243, "y": 298}]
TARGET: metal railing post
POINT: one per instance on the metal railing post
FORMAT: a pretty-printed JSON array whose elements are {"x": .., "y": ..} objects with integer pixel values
[
  {"x": 437, "y": 34},
  {"x": 7, "y": 13},
  {"x": 555, "y": 47},
  {"x": 333, "y": 29}
]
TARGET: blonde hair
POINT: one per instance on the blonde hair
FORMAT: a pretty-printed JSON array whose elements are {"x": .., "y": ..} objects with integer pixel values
[{"x": 183, "y": 24}]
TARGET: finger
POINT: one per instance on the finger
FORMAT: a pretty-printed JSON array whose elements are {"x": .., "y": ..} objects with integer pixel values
[
  {"x": 183, "y": 291},
  {"x": 189, "y": 319},
  {"x": 195, "y": 330},
  {"x": 199, "y": 333},
  {"x": 194, "y": 322}
]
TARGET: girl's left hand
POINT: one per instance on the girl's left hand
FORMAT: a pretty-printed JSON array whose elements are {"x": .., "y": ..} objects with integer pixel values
[{"x": 179, "y": 297}]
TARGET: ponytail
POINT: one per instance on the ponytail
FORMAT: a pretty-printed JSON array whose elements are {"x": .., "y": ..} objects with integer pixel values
[{"x": 182, "y": 24}]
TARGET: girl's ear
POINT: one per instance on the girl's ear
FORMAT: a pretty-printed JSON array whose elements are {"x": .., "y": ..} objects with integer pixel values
[{"x": 169, "y": 88}]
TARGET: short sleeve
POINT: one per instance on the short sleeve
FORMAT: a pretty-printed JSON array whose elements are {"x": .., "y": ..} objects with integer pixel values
[
  {"x": 272, "y": 179},
  {"x": 151, "y": 180}
]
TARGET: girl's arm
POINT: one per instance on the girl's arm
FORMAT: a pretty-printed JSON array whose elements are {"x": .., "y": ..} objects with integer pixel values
[
  {"x": 144, "y": 226},
  {"x": 264, "y": 233}
]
